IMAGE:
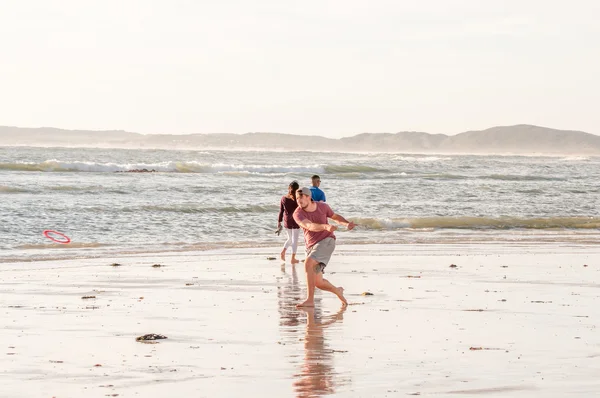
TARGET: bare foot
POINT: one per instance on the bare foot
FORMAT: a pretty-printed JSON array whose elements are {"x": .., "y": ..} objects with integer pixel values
[
  {"x": 306, "y": 304},
  {"x": 340, "y": 294},
  {"x": 294, "y": 261},
  {"x": 283, "y": 255}
]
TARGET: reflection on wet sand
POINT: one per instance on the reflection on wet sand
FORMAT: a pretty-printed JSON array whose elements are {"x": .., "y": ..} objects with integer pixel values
[
  {"x": 288, "y": 295},
  {"x": 317, "y": 373}
]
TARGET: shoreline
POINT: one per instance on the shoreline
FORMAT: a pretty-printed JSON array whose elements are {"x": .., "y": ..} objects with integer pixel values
[{"x": 85, "y": 251}]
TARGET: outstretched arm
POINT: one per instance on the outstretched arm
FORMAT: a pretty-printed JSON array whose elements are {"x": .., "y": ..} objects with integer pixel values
[
  {"x": 314, "y": 227},
  {"x": 341, "y": 220}
]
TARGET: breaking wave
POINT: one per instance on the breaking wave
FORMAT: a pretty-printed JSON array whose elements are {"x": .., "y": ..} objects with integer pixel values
[
  {"x": 342, "y": 169},
  {"x": 500, "y": 223},
  {"x": 7, "y": 189},
  {"x": 55, "y": 165},
  {"x": 190, "y": 209},
  {"x": 165, "y": 167}
]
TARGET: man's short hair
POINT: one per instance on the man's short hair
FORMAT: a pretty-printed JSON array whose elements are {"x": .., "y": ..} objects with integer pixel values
[{"x": 315, "y": 177}]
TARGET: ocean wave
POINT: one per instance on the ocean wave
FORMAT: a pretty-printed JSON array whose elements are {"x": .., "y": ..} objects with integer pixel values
[
  {"x": 530, "y": 191},
  {"x": 60, "y": 166},
  {"x": 350, "y": 169},
  {"x": 441, "y": 176},
  {"x": 55, "y": 165},
  {"x": 433, "y": 223},
  {"x": 67, "y": 188},
  {"x": 221, "y": 167},
  {"x": 421, "y": 158},
  {"x": 7, "y": 189},
  {"x": 215, "y": 209},
  {"x": 61, "y": 188},
  {"x": 575, "y": 158},
  {"x": 511, "y": 177}
]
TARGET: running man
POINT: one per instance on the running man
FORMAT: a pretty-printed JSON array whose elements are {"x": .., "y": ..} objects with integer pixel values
[{"x": 320, "y": 243}]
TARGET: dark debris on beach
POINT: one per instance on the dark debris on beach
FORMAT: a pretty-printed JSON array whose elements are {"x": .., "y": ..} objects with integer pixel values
[{"x": 150, "y": 337}]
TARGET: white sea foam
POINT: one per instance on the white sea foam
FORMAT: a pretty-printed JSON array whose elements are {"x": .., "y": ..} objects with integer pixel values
[
  {"x": 421, "y": 158},
  {"x": 55, "y": 165},
  {"x": 575, "y": 158}
]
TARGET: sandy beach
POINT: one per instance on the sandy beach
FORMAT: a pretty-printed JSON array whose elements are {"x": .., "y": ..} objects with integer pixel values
[{"x": 442, "y": 320}]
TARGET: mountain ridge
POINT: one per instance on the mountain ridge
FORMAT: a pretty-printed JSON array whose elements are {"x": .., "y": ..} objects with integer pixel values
[{"x": 517, "y": 139}]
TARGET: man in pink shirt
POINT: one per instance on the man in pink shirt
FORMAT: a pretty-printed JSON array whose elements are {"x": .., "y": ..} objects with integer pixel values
[{"x": 320, "y": 243}]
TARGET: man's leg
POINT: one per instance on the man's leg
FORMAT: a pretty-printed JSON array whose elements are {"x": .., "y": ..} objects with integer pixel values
[
  {"x": 309, "y": 267},
  {"x": 324, "y": 284},
  {"x": 287, "y": 243},
  {"x": 295, "y": 235}
]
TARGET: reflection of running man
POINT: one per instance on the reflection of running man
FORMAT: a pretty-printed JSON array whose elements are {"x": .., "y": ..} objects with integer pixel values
[
  {"x": 317, "y": 374},
  {"x": 288, "y": 294},
  {"x": 320, "y": 243}
]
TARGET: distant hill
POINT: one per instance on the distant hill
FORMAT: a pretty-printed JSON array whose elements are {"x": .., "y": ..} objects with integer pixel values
[{"x": 519, "y": 139}]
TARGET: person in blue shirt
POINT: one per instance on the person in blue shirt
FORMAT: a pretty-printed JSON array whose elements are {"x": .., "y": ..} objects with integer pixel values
[{"x": 317, "y": 194}]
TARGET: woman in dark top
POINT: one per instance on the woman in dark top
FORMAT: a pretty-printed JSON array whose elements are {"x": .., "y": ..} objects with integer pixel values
[{"x": 286, "y": 212}]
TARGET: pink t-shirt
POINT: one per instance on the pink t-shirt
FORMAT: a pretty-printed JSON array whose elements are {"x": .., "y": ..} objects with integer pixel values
[{"x": 319, "y": 216}]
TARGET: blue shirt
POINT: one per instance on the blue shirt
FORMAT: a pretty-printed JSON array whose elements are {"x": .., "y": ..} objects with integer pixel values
[{"x": 317, "y": 194}]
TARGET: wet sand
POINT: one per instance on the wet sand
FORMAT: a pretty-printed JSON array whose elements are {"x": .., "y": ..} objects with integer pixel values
[{"x": 515, "y": 321}]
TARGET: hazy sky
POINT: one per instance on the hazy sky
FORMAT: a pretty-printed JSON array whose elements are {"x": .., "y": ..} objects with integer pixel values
[{"x": 334, "y": 68}]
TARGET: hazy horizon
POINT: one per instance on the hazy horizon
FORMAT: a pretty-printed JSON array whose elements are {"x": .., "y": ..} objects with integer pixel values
[
  {"x": 523, "y": 139},
  {"x": 350, "y": 135},
  {"x": 333, "y": 68}
]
